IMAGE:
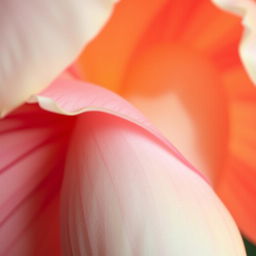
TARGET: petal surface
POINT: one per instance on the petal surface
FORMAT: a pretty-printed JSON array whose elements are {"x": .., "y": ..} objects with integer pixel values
[
  {"x": 247, "y": 10},
  {"x": 72, "y": 97},
  {"x": 189, "y": 81},
  {"x": 125, "y": 194},
  {"x": 181, "y": 92},
  {"x": 104, "y": 60},
  {"x": 39, "y": 39},
  {"x": 236, "y": 185},
  {"x": 33, "y": 146}
]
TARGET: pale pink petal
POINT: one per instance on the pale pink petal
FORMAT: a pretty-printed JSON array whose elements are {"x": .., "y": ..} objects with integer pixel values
[
  {"x": 247, "y": 10},
  {"x": 138, "y": 205},
  {"x": 39, "y": 39},
  {"x": 33, "y": 146},
  {"x": 72, "y": 97},
  {"x": 124, "y": 193}
]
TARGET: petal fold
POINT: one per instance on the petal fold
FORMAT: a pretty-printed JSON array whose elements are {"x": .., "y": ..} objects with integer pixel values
[{"x": 39, "y": 39}]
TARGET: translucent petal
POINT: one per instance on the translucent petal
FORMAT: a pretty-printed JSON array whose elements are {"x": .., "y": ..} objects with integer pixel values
[{"x": 124, "y": 193}]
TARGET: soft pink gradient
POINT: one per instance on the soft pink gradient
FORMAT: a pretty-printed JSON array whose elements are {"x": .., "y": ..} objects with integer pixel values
[{"x": 126, "y": 190}]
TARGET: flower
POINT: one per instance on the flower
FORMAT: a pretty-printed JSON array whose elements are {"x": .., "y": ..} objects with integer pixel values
[
  {"x": 126, "y": 190},
  {"x": 81, "y": 169},
  {"x": 177, "y": 62}
]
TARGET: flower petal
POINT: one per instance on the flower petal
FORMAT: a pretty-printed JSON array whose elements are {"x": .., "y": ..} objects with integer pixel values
[
  {"x": 32, "y": 152},
  {"x": 105, "y": 59},
  {"x": 124, "y": 193},
  {"x": 168, "y": 83},
  {"x": 73, "y": 97},
  {"x": 39, "y": 39},
  {"x": 247, "y": 10},
  {"x": 236, "y": 186}
]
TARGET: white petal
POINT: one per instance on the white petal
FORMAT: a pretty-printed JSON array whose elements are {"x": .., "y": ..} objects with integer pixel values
[{"x": 39, "y": 39}]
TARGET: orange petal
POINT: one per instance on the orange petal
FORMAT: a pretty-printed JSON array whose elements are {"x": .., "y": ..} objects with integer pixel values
[
  {"x": 247, "y": 10},
  {"x": 26, "y": 211},
  {"x": 237, "y": 183},
  {"x": 104, "y": 60},
  {"x": 180, "y": 91}
]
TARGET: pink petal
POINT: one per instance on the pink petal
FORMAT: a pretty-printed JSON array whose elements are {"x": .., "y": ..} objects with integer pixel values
[
  {"x": 146, "y": 205},
  {"x": 72, "y": 97},
  {"x": 32, "y": 152},
  {"x": 31, "y": 164},
  {"x": 125, "y": 193},
  {"x": 39, "y": 39}
]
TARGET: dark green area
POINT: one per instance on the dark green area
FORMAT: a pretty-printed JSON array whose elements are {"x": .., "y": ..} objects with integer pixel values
[{"x": 250, "y": 248}]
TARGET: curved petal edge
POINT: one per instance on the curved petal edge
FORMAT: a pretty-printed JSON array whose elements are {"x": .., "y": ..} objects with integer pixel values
[
  {"x": 40, "y": 39},
  {"x": 67, "y": 96},
  {"x": 124, "y": 194},
  {"x": 247, "y": 10}
]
